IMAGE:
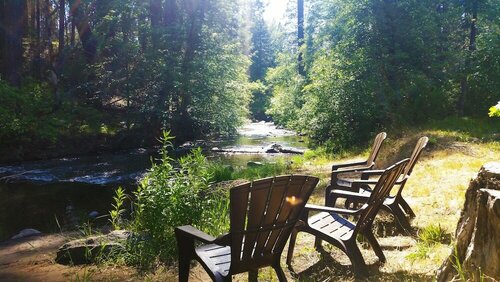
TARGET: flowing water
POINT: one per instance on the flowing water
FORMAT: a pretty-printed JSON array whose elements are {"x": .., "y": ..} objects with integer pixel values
[{"x": 48, "y": 195}]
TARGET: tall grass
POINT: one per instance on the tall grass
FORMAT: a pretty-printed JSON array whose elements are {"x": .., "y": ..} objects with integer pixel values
[{"x": 220, "y": 172}]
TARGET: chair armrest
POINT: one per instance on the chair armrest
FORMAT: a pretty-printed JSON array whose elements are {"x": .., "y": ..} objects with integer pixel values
[
  {"x": 193, "y": 233},
  {"x": 350, "y": 195},
  {"x": 361, "y": 181},
  {"x": 330, "y": 209},
  {"x": 354, "y": 169},
  {"x": 372, "y": 172},
  {"x": 337, "y": 166}
]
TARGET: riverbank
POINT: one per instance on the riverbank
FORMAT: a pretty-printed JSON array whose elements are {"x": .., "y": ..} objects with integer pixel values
[{"x": 435, "y": 191}]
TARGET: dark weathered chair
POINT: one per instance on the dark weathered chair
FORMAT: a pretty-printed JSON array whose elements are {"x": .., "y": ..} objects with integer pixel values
[
  {"x": 395, "y": 204},
  {"x": 330, "y": 226},
  {"x": 262, "y": 216},
  {"x": 363, "y": 165}
]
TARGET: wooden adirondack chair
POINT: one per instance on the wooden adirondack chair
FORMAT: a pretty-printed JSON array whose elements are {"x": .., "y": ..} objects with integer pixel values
[
  {"x": 330, "y": 226},
  {"x": 395, "y": 204},
  {"x": 262, "y": 215},
  {"x": 363, "y": 165}
]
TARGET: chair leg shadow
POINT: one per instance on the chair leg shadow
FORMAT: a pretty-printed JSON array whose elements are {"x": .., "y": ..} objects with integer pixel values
[{"x": 327, "y": 267}]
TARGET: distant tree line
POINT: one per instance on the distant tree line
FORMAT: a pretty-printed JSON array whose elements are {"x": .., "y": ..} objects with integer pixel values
[{"x": 371, "y": 64}]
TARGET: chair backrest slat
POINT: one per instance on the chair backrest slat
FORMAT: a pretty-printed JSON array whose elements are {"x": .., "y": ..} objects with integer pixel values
[
  {"x": 415, "y": 154},
  {"x": 377, "y": 143},
  {"x": 379, "y": 193},
  {"x": 262, "y": 215}
]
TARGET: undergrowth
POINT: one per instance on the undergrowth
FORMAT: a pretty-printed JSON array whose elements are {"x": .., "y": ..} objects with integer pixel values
[{"x": 175, "y": 193}]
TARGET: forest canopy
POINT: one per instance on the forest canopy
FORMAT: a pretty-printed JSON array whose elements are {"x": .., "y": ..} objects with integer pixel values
[{"x": 116, "y": 73}]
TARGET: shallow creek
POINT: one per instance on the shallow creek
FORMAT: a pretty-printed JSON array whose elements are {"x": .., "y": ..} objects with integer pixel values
[{"x": 48, "y": 194}]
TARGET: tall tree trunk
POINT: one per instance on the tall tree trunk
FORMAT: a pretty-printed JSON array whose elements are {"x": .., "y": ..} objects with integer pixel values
[
  {"x": 82, "y": 24},
  {"x": 48, "y": 27},
  {"x": 155, "y": 13},
  {"x": 37, "y": 62},
  {"x": 2, "y": 39},
  {"x": 13, "y": 21},
  {"x": 196, "y": 10},
  {"x": 464, "y": 84},
  {"x": 300, "y": 34},
  {"x": 72, "y": 33},
  {"x": 62, "y": 18}
]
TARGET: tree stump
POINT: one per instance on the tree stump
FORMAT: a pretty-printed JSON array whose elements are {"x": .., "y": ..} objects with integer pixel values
[{"x": 477, "y": 250}]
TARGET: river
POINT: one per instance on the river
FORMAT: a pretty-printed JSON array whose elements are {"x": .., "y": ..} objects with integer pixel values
[{"x": 52, "y": 194}]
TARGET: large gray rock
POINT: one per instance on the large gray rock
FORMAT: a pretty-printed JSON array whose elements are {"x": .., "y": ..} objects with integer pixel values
[
  {"x": 273, "y": 148},
  {"x": 477, "y": 247},
  {"x": 26, "y": 233},
  {"x": 88, "y": 250}
]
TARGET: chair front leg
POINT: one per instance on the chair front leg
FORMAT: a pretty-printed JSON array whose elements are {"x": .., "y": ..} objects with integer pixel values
[
  {"x": 374, "y": 244},
  {"x": 279, "y": 272},
  {"x": 291, "y": 247},
  {"x": 185, "y": 249},
  {"x": 253, "y": 275}
]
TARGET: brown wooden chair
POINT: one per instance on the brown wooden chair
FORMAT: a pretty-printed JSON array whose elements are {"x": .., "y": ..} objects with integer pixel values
[
  {"x": 395, "y": 204},
  {"x": 262, "y": 216},
  {"x": 330, "y": 226},
  {"x": 363, "y": 165}
]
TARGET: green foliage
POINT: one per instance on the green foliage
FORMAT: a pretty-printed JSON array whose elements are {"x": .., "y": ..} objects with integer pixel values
[
  {"x": 369, "y": 68},
  {"x": 30, "y": 119},
  {"x": 495, "y": 111},
  {"x": 171, "y": 196},
  {"x": 118, "y": 209},
  {"x": 433, "y": 234},
  {"x": 428, "y": 237}
]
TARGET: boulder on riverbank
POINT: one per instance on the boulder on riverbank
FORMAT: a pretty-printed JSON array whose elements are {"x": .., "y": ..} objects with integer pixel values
[{"x": 88, "y": 250}]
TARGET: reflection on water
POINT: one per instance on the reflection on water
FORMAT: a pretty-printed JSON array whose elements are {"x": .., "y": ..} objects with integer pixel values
[{"x": 33, "y": 194}]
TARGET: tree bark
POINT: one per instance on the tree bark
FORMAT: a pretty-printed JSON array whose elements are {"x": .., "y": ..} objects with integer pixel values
[
  {"x": 155, "y": 9},
  {"x": 2, "y": 39},
  {"x": 300, "y": 35},
  {"x": 196, "y": 11},
  {"x": 62, "y": 18},
  {"x": 82, "y": 24},
  {"x": 48, "y": 28},
  {"x": 13, "y": 20},
  {"x": 464, "y": 84}
]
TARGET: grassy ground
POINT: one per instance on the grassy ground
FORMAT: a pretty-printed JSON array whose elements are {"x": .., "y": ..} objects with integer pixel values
[{"x": 456, "y": 151}]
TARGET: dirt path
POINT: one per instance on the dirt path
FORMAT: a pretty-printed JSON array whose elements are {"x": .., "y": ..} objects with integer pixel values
[{"x": 32, "y": 259}]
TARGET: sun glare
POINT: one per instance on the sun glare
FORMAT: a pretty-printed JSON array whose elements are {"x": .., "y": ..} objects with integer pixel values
[{"x": 275, "y": 10}]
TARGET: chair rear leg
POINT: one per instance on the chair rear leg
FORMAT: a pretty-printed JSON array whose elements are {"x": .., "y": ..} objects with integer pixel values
[
  {"x": 406, "y": 208},
  {"x": 375, "y": 245},
  {"x": 401, "y": 218},
  {"x": 279, "y": 272}
]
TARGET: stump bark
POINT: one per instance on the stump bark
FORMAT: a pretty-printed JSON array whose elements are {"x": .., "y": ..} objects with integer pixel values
[{"x": 477, "y": 250}]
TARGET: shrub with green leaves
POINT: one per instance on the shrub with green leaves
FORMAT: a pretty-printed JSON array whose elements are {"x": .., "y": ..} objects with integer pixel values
[{"x": 174, "y": 194}]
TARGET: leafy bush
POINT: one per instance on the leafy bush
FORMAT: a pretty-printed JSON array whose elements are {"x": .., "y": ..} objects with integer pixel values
[
  {"x": 170, "y": 196},
  {"x": 495, "y": 111}
]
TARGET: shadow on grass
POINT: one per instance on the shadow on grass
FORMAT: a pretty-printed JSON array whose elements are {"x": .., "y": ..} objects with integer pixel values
[{"x": 328, "y": 269}]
